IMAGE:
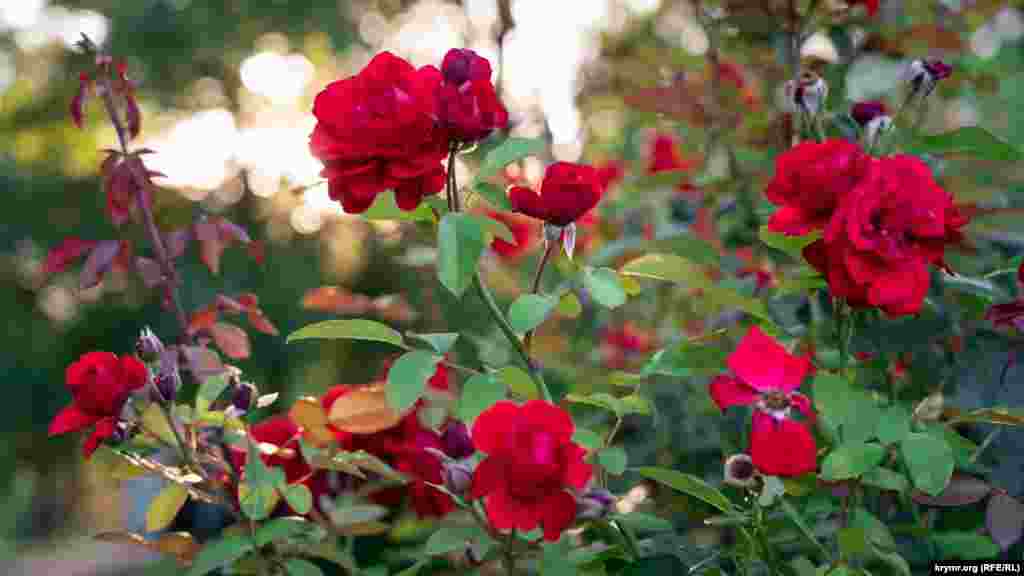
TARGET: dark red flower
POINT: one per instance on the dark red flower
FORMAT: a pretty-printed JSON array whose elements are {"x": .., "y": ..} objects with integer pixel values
[
  {"x": 810, "y": 180},
  {"x": 621, "y": 343},
  {"x": 100, "y": 383},
  {"x": 467, "y": 104},
  {"x": 567, "y": 192},
  {"x": 376, "y": 131},
  {"x": 531, "y": 461},
  {"x": 865, "y": 112},
  {"x": 887, "y": 230},
  {"x": 664, "y": 155},
  {"x": 524, "y": 232},
  {"x": 871, "y": 5},
  {"x": 768, "y": 377}
]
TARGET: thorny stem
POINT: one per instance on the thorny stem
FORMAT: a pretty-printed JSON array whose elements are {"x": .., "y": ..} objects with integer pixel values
[
  {"x": 552, "y": 246},
  {"x": 485, "y": 295}
]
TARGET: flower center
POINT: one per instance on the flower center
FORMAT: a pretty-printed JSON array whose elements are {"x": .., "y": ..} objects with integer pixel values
[{"x": 775, "y": 401}]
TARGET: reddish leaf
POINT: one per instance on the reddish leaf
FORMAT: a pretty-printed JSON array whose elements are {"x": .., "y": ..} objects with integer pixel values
[
  {"x": 100, "y": 259},
  {"x": 203, "y": 319},
  {"x": 226, "y": 304},
  {"x": 71, "y": 249},
  {"x": 961, "y": 491},
  {"x": 261, "y": 323},
  {"x": 202, "y": 362},
  {"x": 335, "y": 300},
  {"x": 248, "y": 300},
  {"x": 1004, "y": 519},
  {"x": 231, "y": 340},
  {"x": 210, "y": 252}
]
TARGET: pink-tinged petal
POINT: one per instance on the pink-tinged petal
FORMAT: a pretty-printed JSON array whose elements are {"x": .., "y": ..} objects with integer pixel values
[
  {"x": 792, "y": 221},
  {"x": 71, "y": 419},
  {"x": 134, "y": 374},
  {"x": 803, "y": 405},
  {"x": 782, "y": 447},
  {"x": 505, "y": 513},
  {"x": 541, "y": 415},
  {"x": 493, "y": 428},
  {"x": 65, "y": 253},
  {"x": 764, "y": 365},
  {"x": 901, "y": 292},
  {"x": 577, "y": 473},
  {"x": 528, "y": 202},
  {"x": 83, "y": 371},
  {"x": 488, "y": 477},
  {"x": 727, "y": 391},
  {"x": 559, "y": 512}
]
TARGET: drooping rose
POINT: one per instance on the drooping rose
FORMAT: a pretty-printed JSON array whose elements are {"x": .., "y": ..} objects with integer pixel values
[
  {"x": 376, "y": 130},
  {"x": 531, "y": 465},
  {"x": 810, "y": 180},
  {"x": 100, "y": 383},
  {"x": 767, "y": 376},
  {"x": 567, "y": 192},
  {"x": 467, "y": 104}
]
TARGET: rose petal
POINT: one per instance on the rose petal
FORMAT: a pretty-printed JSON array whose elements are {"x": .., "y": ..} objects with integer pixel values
[
  {"x": 71, "y": 419},
  {"x": 782, "y": 447},
  {"x": 727, "y": 391}
]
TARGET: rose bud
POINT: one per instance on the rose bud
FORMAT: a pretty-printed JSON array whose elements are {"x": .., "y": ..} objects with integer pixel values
[
  {"x": 148, "y": 347},
  {"x": 456, "y": 441},
  {"x": 595, "y": 503},
  {"x": 740, "y": 471},
  {"x": 808, "y": 93},
  {"x": 165, "y": 386},
  {"x": 243, "y": 397},
  {"x": 873, "y": 118},
  {"x": 457, "y": 476},
  {"x": 924, "y": 75}
]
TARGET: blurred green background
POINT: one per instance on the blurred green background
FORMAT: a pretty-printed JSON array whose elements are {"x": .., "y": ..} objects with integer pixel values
[{"x": 226, "y": 90}]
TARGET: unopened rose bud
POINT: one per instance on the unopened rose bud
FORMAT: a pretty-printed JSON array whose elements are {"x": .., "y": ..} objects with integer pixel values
[
  {"x": 243, "y": 397},
  {"x": 808, "y": 93},
  {"x": 924, "y": 75},
  {"x": 148, "y": 347},
  {"x": 456, "y": 441},
  {"x": 165, "y": 385},
  {"x": 463, "y": 65},
  {"x": 457, "y": 476},
  {"x": 740, "y": 471},
  {"x": 595, "y": 503},
  {"x": 865, "y": 112}
]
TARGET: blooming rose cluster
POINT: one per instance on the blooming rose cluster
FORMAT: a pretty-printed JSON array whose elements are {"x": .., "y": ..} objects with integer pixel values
[
  {"x": 885, "y": 221},
  {"x": 391, "y": 125}
]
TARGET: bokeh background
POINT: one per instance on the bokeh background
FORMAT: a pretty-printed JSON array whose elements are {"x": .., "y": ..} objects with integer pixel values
[{"x": 226, "y": 89}]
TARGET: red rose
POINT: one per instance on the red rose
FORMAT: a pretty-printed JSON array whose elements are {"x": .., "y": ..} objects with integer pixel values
[
  {"x": 768, "y": 377},
  {"x": 810, "y": 180},
  {"x": 664, "y": 155},
  {"x": 567, "y": 192},
  {"x": 524, "y": 233},
  {"x": 531, "y": 461},
  {"x": 871, "y": 5},
  {"x": 886, "y": 232},
  {"x": 376, "y": 131},
  {"x": 100, "y": 384},
  {"x": 467, "y": 104},
  {"x": 623, "y": 342}
]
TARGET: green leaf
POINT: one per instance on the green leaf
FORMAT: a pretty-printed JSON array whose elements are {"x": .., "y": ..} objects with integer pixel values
[
  {"x": 976, "y": 286},
  {"x": 970, "y": 140},
  {"x": 691, "y": 248},
  {"x": 282, "y": 529},
  {"x": 298, "y": 497},
  {"x": 554, "y": 559},
  {"x": 894, "y": 561},
  {"x": 853, "y": 542},
  {"x": 598, "y": 400},
  {"x": 635, "y": 404},
  {"x": 351, "y": 329},
  {"x": 509, "y": 151},
  {"x": 460, "y": 242},
  {"x": 773, "y": 488},
  {"x": 966, "y": 545},
  {"x": 797, "y": 518},
  {"x": 791, "y": 245},
  {"x": 929, "y": 460},
  {"x": 407, "y": 378},
  {"x": 851, "y": 460},
  {"x": 587, "y": 438},
  {"x": 569, "y": 305},
  {"x": 668, "y": 267},
  {"x": 894, "y": 425},
  {"x": 877, "y": 532},
  {"x": 441, "y": 342},
  {"x": 529, "y": 311},
  {"x": 605, "y": 286},
  {"x": 384, "y": 207},
  {"x": 613, "y": 459},
  {"x": 831, "y": 394},
  {"x": 210, "y": 390},
  {"x": 258, "y": 500},
  {"x": 863, "y": 419},
  {"x": 886, "y": 479},
  {"x": 687, "y": 484},
  {"x": 479, "y": 393},
  {"x": 687, "y": 359},
  {"x": 518, "y": 381},
  {"x": 495, "y": 228},
  {"x": 642, "y": 522},
  {"x": 414, "y": 569},
  {"x": 451, "y": 538},
  {"x": 343, "y": 516},
  {"x": 493, "y": 194},
  {"x": 802, "y": 279},
  {"x": 220, "y": 553},
  {"x": 165, "y": 507},
  {"x": 300, "y": 567}
]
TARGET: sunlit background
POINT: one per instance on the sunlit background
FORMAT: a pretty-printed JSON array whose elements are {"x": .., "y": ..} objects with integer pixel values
[{"x": 230, "y": 129}]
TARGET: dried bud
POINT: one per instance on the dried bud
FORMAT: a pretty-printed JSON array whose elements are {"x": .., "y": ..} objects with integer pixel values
[
  {"x": 595, "y": 503},
  {"x": 148, "y": 347},
  {"x": 740, "y": 471},
  {"x": 456, "y": 441},
  {"x": 808, "y": 93},
  {"x": 864, "y": 112},
  {"x": 924, "y": 75},
  {"x": 243, "y": 397},
  {"x": 457, "y": 476}
]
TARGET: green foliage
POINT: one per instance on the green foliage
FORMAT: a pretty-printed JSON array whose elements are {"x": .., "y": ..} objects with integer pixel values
[
  {"x": 605, "y": 287},
  {"x": 407, "y": 378},
  {"x": 509, "y": 151},
  {"x": 355, "y": 329},
  {"x": 529, "y": 311},
  {"x": 479, "y": 393},
  {"x": 929, "y": 461},
  {"x": 460, "y": 242},
  {"x": 688, "y": 484}
]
